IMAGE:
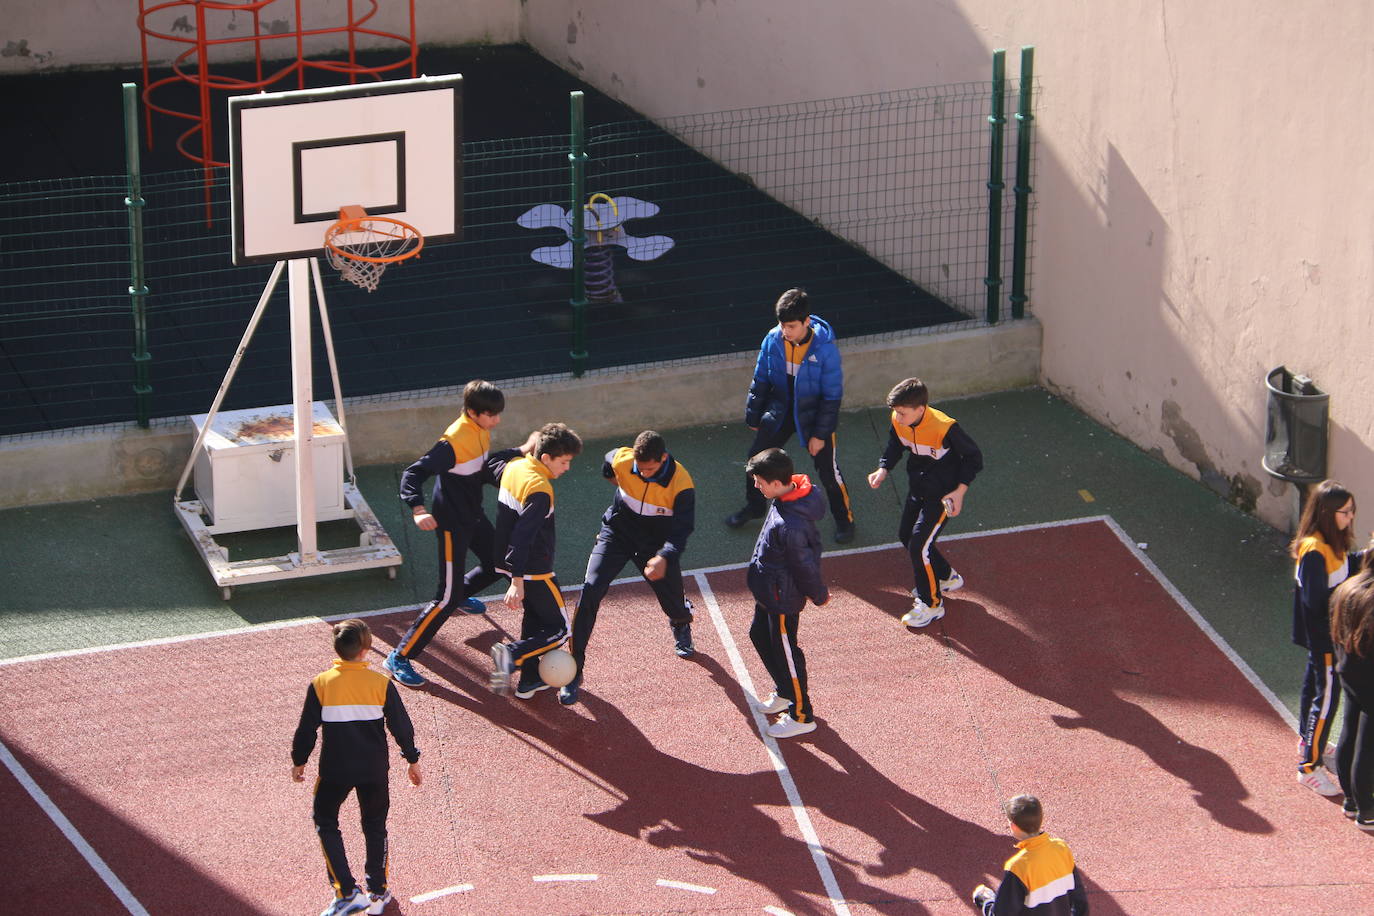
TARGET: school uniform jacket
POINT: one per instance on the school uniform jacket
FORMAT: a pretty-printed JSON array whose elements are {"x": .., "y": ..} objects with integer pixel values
[
  {"x": 524, "y": 519},
  {"x": 459, "y": 464},
  {"x": 1319, "y": 570},
  {"x": 1040, "y": 879},
  {"x": 804, "y": 378},
  {"x": 654, "y": 513},
  {"x": 786, "y": 567},
  {"x": 349, "y": 703},
  {"x": 942, "y": 455}
]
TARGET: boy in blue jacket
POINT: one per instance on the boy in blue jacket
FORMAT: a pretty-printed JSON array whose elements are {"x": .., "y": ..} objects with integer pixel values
[
  {"x": 797, "y": 387},
  {"x": 785, "y": 571}
]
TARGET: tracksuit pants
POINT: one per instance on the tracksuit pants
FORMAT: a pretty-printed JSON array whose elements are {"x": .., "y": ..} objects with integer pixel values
[
  {"x": 453, "y": 586},
  {"x": 544, "y": 625},
  {"x": 922, "y": 522},
  {"x": 1355, "y": 753},
  {"x": 374, "y": 803},
  {"x": 827, "y": 472},
  {"x": 774, "y": 636},
  {"x": 607, "y": 560},
  {"x": 1321, "y": 695}
]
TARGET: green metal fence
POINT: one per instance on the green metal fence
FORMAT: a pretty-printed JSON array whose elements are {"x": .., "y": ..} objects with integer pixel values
[{"x": 878, "y": 204}]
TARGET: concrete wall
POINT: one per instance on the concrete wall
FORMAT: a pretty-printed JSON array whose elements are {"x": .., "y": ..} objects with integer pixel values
[
  {"x": 95, "y": 33},
  {"x": 1202, "y": 211},
  {"x": 116, "y": 460}
]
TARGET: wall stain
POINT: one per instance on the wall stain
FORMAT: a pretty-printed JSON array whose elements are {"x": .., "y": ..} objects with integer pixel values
[
  {"x": 572, "y": 33},
  {"x": 1241, "y": 490}
]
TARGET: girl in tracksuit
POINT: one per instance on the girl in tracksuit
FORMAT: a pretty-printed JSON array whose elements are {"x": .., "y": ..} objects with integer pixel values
[
  {"x": 1322, "y": 550},
  {"x": 1352, "y": 635}
]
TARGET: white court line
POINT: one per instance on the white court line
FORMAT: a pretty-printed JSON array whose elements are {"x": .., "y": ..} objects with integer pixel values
[
  {"x": 684, "y": 886},
  {"x": 566, "y": 877},
  {"x": 789, "y": 786},
  {"x": 776, "y": 911},
  {"x": 70, "y": 832},
  {"x": 435, "y": 895}
]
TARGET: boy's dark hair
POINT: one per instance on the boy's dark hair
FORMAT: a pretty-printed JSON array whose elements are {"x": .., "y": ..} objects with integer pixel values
[
  {"x": 481, "y": 396},
  {"x": 793, "y": 305},
  {"x": 649, "y": 446},
  {"x": 772, "y": 464},
  {"x": 1319, "y": 518},
  {"x": 909, "y": 392},
  {"x": 1025, "y": 812},
  {"x": 351, "y": 637},
  {"x": 557, "y": 440}
]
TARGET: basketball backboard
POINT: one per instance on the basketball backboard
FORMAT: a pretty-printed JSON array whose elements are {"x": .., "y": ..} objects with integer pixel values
[{"x": 393, "y": 148}]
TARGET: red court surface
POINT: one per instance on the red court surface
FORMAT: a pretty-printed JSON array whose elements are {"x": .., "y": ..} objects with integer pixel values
[{"x": 1064, "y": 668}]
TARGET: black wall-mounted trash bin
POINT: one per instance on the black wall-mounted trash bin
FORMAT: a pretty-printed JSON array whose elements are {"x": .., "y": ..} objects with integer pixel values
[{"x": 1295, "y": 436}]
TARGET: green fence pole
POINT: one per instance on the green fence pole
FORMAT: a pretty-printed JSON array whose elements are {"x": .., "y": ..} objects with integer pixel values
[
  {"x": 993, "y": 280},
  {"x": 577, "y": 161},
  {"x": 138, "y": 291},
  {"x": 1022, "y": 188}
]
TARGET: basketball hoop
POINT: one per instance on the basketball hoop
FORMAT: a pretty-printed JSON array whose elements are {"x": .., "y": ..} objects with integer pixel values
[{"x": 360, "y": 246}]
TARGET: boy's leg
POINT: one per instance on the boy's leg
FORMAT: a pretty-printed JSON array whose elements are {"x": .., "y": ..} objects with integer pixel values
[
  {"x": 774, "y": 636},
  {"x": 1321, "y": 696},
  {"x": 607, "y": 559},
  {"x": 482, "y": 543},
  {"x": 754, "y": 503},
  {"x": 927, "y": 518},
  {"x": 1345, "y": 750},
  {"x": 453, "y": 545},
  {"x": 374, "y": 803},
  {"x": 329, "y": 797},
  {"x": 828, "y": 471},
  {"x": 543, "y": 627},
  {"x": 1362, "y": 766},
  {"x": 673, "y": 602}
]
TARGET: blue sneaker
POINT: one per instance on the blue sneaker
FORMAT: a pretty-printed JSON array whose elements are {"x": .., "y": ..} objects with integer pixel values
[
  {"x": 398, "y": 666},
  {"x": 472, "y": 606},
  {"x": 567, "y": 695},
  {"x": 503, "y": 666},
  {"x": 524, "y": 691},
  {"x": 355, "y": 902}
]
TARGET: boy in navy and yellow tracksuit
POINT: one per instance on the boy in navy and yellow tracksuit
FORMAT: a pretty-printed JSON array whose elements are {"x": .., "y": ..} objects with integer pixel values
[
  {"x": 649, "y": 520},
  {"x": 460, "y": 462},
  {"x": 797, "y": 386},
  {"x": 524, "y": 551},
  {"x": 1042, "y": 878},
  {"x": 942, "y": 461},
  {"x": 350, "y": 703},
  {"x": 784, "y": 572}
]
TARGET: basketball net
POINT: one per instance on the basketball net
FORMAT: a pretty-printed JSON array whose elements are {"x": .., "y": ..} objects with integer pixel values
[{"x": 361, "y": 247}]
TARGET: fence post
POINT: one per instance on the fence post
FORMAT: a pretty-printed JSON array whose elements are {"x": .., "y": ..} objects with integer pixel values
[
  {"x": 577, "y": 160},
  {"x": 138, "y": 291},
  {"x": 993, "y": 280},
  {"x": 1022, "y": 188}
]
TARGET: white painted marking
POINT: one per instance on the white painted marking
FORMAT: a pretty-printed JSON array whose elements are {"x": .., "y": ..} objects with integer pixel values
[
  {"x": 684, "y": 886},
  {"x": 435, "y": 895},
  {"x": 776, "y": 911},
  {"x": 566, "y": 877},
  {"x": 92, "y": 858},
  {"x": 789, "y": 786}
]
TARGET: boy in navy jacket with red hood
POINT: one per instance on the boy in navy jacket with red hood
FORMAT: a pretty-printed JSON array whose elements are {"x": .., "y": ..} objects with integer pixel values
[{"x": 784, "y": 572}]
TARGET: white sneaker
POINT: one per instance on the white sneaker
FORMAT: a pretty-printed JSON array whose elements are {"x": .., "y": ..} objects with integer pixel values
[
  {"x": 920, "y": 614},
  {"x": 1319, "y": 781},
  {"x": 788, "y": 727},
  {"x": 379, "y": 902},
  {"x": 953, "y": 583},
  {"x": 773, "y": 705},
  {"x": 1329, "y": 757}
]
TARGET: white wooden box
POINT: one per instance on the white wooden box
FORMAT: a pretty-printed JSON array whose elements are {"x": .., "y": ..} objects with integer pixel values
[{"x": 245, "y": 474}]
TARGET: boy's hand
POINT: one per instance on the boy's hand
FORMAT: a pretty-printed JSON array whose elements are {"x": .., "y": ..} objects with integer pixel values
[
  {"x": 530, "y": 443},
  {"x": 656, "y": 569},
  {"x": 423, "y": 520},
  {"x": 515, "y": 595},
  {"x": 298, "y": 774},
  {"x": 875, "y": 480},
  {"x": 954, "y": 500},
  {"x": 814, "y": 446},
  {"x": 413, "y": 774}
]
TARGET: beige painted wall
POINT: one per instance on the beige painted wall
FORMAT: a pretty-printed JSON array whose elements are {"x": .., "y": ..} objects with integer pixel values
[
  {"x": 55, "y": 35},
  {"x": 1203, "y": 214}
]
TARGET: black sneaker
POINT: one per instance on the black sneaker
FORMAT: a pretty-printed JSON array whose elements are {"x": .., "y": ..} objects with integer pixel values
[
  {"x": 567, "y": 695},
  {"x": 682, "y": 640},
  {"x": 743, "y": 517},
  {"x": 523, "y": 691},
  {"x": 1349, "y": 809},
  {"x": 844, "y": 533}
]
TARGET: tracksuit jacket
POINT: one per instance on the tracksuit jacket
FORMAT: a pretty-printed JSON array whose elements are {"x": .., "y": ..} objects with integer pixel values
[
  {"x": 942, "y": 454},
  {"x": 460, "y": 463},
  {"x": 524, "y": 519},
  {"x": 350, "y": 702},
  {"x": 815, "y": 392},
  {"x": 656, "y": 514},
  {"x": 1041, "y": 880},
  {"x": 1319, "y": 570},
  {"x": 786, "y": 567}
]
